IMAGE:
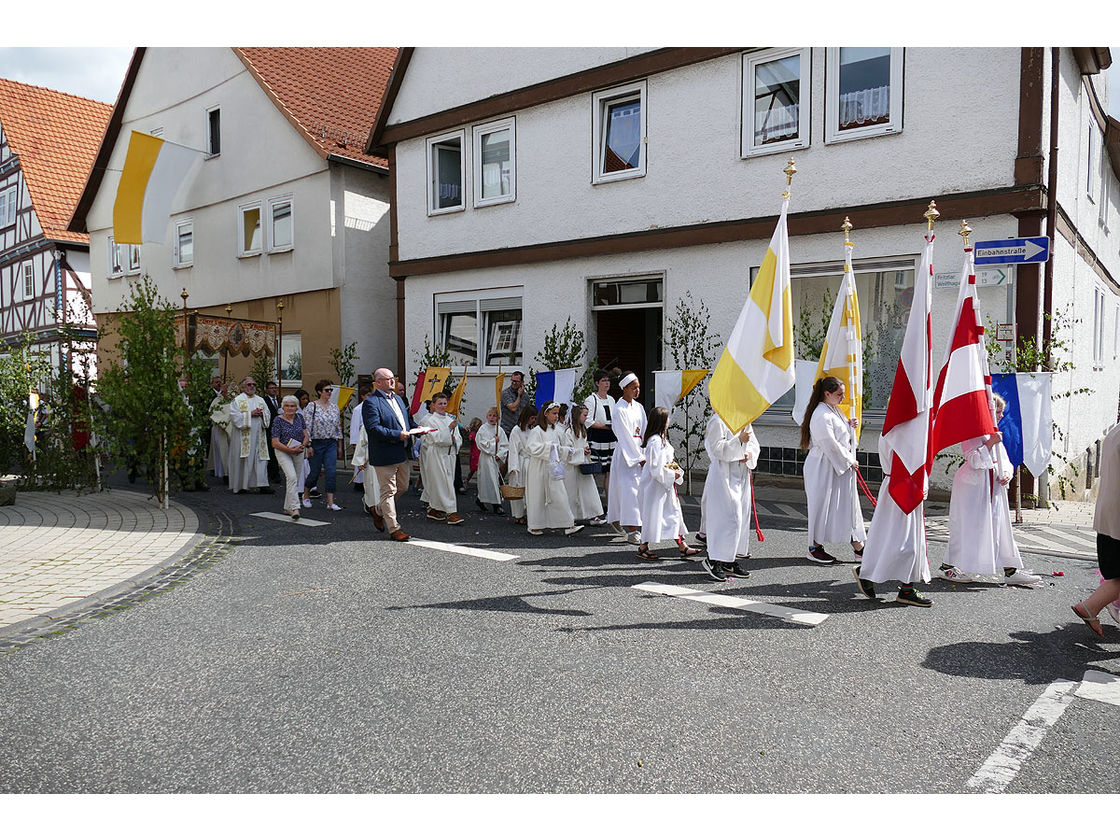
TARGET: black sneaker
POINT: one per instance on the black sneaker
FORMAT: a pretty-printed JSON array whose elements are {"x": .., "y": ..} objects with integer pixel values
[
  {"x": 912, "y": 597},
  {"x": 818, "y": 555},
  {"x": 314, "y": 493},
  {"x": 480, "y": 505},
  {"x": 736, "y": 570},
  {"x": 701, "y": 537},
  {"x": 865, "y": 586},
  {"x": 714, "y": 569}
]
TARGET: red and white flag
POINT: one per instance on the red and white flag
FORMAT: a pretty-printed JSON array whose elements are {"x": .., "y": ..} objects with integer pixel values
[
  {"x": 962, "y": 402},
  {"x": 907, "y": 423}
]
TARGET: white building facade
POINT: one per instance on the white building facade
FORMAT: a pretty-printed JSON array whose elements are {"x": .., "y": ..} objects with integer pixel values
[
  {"x": 603, "y": 185},
  {"x": 282, "y": 207}
]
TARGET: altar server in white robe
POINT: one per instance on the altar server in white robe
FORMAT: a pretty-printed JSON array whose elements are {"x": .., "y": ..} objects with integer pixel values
[
  {"x": 830, "y": 473},
  {"x": 546, "y": 498},
  {"x": 248, "y": 445},
  {"x": 356, "y": 426},
  {"x": 896, "y": 541},
  {"x": 662, "y": 518},
  {"x": 371, "y": 490},
  {"x": 583, "y": 493},
  {"x": 493, "y": 449},
  {"x": 980, "y": 538},
  {"x": 438, "y": 451},
  {"x": 726, "y": 502},
  {"x": 219, "y": 433},
  {"x": 628, "y": 421},
  {"x": 515, "y": 472}
]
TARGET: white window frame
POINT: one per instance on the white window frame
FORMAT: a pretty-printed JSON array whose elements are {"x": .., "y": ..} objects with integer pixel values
[
  {"x": 210, "y": 153},
  {"x": 114, "y": 263},
  {"x": 122, "y": 259},
  {"x": 28, "y": 281},
  {"x": 748, "y": 148},
  {"x": 285, "y": 352},
  {"x": 1092, "y": 173},
  {"x": 177, "y": 257},
  {"x": 433, "y": 173},
  {"x": 8, "y": 199},
  {"x": 484, "y": 300},
  {"x": 599, "y": 103},
  {"x": 242, "y": 209},
  {"x": 274, "y": 203},
  {"x": 832, "y": 132},
  {"x": 479, "y": 132},
  {"x": 133, "y": 257}
]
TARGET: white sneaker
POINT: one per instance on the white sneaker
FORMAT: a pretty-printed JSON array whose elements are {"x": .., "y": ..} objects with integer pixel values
[
  {"x": 333, "y": 506},
  {"x": 598, "y": 520},
  {"x": 633, "y": 537},
  {"x": 618, "y": 529},
  {"x": 575, "y": 529},
  {"x": 307, "y": 503},
  {"x": 1021, "y": 578},
  {"x": 536, "y": 532},
  {"x": 954, "y": 574}
]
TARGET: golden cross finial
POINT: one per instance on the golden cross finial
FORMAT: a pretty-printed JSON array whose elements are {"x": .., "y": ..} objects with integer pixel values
[
  {"x": 965, "y": 231},
  {"x": 229, "y": 309},
  {"x": 790, "y": 171},
  {"x": 931, "y": 214},
  {"x": 847, "y": 228}
]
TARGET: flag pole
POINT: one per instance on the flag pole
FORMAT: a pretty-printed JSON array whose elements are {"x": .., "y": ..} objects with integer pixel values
[{"x": 852, "y": 349}]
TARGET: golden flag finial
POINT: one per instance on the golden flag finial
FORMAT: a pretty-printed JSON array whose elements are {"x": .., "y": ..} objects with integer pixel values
[
  {"x": 847, "y": 228},
  {"x": 931, "y": 214},
  {"x": 965, "y": 231}
]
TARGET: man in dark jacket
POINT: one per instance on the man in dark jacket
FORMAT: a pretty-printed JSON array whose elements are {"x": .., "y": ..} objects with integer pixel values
[{"x": 387, "y": 423}]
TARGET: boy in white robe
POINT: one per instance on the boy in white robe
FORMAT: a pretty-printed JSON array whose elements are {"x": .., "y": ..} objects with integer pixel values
[
  {"x": 628, "y": 421},
  {"x": 438, "y": 451},
  {"x": 248, "y": 446},
  {"x": 493, "y": 449},
  {"x": 727, "y": 496},
  {"x": 980, "y": 538}
]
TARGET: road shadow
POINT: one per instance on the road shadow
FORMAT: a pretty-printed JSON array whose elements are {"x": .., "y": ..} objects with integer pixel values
[
  {"x": 501, "y": 603},
  {"x": 1033, "y": 658}
]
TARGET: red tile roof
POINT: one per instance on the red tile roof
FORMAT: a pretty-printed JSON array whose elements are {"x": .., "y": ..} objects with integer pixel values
[
  {"x": 57, "y": 136},
  {"x": 330, "y": 94}
]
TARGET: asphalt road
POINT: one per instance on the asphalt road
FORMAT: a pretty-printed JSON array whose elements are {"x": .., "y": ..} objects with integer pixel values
[{"x": 327, "y": 659}]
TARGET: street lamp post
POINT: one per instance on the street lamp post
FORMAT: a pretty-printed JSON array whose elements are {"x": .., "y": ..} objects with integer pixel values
[
  {"x": 186, "y": 335},
  {"x": 225, "y": 347},
  {"x": 279, "y": 339}
]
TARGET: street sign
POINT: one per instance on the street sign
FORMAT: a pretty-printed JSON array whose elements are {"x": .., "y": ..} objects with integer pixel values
[
  {"x": 1031, "y": 249},
  {"x": 984, "y": 277}
]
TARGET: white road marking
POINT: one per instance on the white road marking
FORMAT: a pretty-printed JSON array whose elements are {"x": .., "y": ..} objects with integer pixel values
[
  {"x": 718, "y": 600},
  {"x": 1098, "y": 685},
  {"x": 283, "y": 517},
  {"x": 1000, "y": 769},
  {"x": 788, "y": 510},
  {"x": 1070, "y": 536},
  {"x": 463, "y": 549}
]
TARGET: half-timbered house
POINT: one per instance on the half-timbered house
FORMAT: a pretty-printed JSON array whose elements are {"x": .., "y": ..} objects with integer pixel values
[{"x": 48, "y": 141}]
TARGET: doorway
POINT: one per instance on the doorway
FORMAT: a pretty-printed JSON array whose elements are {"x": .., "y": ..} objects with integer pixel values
[{"x": 628, "y": 324}]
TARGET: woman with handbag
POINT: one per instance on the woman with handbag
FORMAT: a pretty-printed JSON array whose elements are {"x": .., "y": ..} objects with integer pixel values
[
  {"x": 546, "y": 498},
  {"x": 580, "y": 475},
  {"x": 599, "y": 433},
  {"x": 324, "y": 423}
]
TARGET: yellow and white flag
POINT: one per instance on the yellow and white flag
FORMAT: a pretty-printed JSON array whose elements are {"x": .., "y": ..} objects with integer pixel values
[
  {"x": 435, "y": 380},
  {"x": 499, "y": 386},
  {"x": 842, "y": 354},
  {"x": 456, "y": 397},
  {"x": 756, "y": 367},
  {"x": 672, "y": 386},
  {"x": 154, "y": 169},
  {"x": 342, "y": 395}
]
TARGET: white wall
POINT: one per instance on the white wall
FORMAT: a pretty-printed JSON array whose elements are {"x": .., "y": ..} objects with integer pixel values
[{"x": 957, "y": 136}]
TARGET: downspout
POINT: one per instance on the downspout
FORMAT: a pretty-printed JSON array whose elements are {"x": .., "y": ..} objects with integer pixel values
[{"x": 1051, "y": 202}]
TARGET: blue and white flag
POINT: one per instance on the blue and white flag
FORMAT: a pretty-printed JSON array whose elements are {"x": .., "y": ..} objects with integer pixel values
[
  {"x": 1027, "y": 424},
  {"x": 554, "y": 386}
]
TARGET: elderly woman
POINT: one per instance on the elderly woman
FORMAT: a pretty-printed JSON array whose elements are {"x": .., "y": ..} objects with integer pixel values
[
  {"x": 324, "y": 423},
  {"x": 289, "y": 439}
]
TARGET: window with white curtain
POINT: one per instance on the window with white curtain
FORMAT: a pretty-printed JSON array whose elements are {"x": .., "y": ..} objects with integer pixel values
[
  {"x": 494, "y": 176},
  {"x": 864, "y": 92},
  {"x": 776, "y": 101},
  {"x": 618, "y": 119}
]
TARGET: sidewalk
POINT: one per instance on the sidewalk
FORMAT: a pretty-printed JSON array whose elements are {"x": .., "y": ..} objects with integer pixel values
[{"x": 58, "y": 549}]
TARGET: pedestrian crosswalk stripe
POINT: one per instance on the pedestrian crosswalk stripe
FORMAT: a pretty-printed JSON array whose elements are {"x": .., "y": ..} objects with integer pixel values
[
  {"x": 788, "y": 510},
  {"x": 1098, "y": 685},
  {"x": 1071, "y": 536},
  {"x": 718, "y": 600},
  {"x": 463, "y": 549},
  {"x": 283, "y": 517}
]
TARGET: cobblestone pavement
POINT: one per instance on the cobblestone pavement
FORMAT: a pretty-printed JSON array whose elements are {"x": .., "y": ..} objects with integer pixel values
[{"x": 59, "y": 549}]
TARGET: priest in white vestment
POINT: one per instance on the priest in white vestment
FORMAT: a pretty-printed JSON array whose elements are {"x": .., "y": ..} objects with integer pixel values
[
  {"x": 493, "y": 449},
  {"x": 628, "y": 421},
  {"x": 248, "y": 446},
  {"x": 726, "y": 503},
  {"x": 438, "y": 451}
]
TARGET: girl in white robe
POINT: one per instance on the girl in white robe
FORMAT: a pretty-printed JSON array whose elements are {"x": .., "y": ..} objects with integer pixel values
[
  {"x": 438, "y": 451},
  {"x": 493, "y": 449},
  {"x": 628, "y": 421},
  {"x": 980, "y": 538},
  {"x": 515, "y": 473},
  {"x": 726, "y": 502},
  {"x": 583, "y": 493},
  {"x": 896, "y": 541},
  {"x": 830, "y": 473},
  {"x": 546, "y": 498},
  {"x": 657, "y": 490}
]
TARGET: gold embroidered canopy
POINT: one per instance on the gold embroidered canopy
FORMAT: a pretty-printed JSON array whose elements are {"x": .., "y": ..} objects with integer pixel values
[{"x": 229, "y": 336}]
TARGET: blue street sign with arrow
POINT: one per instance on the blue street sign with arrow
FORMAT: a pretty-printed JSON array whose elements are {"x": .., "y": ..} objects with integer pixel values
[{"x": 1031, "y": 249}]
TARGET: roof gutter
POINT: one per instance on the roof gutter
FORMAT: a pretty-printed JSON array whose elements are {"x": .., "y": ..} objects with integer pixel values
[{"x": 358, "y": 164}]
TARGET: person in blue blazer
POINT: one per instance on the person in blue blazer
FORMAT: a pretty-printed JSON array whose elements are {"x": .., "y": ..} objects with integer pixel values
[{"x": 387, "y": 423}]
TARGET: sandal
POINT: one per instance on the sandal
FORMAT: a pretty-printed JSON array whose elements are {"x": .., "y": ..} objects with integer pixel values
[
  {"x": 646, "y": 554},
  {"x": 689, "y": 551},
  {"x": 1090, "y": 622}
]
